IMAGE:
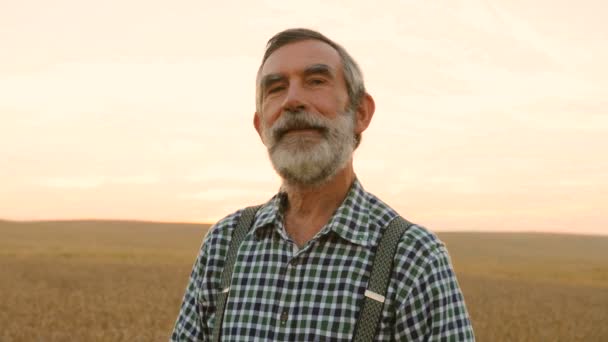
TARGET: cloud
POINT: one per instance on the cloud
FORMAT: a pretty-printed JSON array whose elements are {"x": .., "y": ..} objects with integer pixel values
[
  {"x": 89, "y": 182},
  {"x": 72, "y": 182},
  {"x": 222, "y": 194},
  {"x": 69, "y": 90}
]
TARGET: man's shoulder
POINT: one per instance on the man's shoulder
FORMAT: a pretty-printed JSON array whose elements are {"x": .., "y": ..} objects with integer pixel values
[
  {"x": 224, "y": 227},
  {"x": 382, "y": 214},
  {"x": 416, "y": 235},
  {"x": 421, "y": 239},
  {"x": 221, "y": 231}
]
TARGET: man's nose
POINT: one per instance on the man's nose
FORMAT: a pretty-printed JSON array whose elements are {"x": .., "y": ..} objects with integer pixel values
[{"x": 294, "y": 99}]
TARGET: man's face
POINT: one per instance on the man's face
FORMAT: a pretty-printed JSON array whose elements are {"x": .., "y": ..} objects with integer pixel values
[{"x": 303, "y": 119}]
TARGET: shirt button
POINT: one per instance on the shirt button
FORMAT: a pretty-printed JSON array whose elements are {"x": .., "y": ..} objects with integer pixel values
[{"x": 284, "y": 317}]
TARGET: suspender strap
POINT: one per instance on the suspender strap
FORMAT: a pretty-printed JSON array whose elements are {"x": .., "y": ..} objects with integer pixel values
[
  {"x": 369, "y": 317},
  {"x": 243, "y": 225}
]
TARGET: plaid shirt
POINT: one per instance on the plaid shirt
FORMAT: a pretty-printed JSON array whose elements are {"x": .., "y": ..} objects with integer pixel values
[{"x": 281, "y": 293}]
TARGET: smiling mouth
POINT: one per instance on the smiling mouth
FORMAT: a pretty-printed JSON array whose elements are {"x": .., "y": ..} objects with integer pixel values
[{"x": 301, "y": 130}]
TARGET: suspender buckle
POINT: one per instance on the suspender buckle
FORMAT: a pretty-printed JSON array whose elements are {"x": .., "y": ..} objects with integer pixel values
[{"x": 375, "y": 296}]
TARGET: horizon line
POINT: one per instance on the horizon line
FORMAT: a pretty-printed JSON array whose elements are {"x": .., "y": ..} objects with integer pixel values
[{"x": 209, "y": 224}]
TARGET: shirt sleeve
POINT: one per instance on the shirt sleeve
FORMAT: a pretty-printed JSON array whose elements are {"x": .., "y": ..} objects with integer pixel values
[
  {"x": 188, "y": 325},
  {"x": 434, "y": 308}
]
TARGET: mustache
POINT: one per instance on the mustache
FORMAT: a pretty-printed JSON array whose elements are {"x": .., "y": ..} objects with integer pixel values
[{"x": 292, "y": 120}]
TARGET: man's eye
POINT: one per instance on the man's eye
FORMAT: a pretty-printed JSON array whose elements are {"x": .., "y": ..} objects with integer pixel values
[
  {"x": 316, "y": 81},
  {"x": 275, "y": 89}
]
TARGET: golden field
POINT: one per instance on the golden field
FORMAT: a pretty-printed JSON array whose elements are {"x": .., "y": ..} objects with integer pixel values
[{"x": 123, "y": 281}]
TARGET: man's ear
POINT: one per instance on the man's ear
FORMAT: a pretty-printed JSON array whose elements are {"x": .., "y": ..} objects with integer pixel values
[
  {"x": 257, "y": 123},
  {"x": 364, "y": 113}
]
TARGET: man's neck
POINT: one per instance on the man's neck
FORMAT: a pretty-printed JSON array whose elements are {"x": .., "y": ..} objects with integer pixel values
[{"x": 310, "y": 208}]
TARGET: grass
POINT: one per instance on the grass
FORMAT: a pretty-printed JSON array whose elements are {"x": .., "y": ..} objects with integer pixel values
[
  {"x": 123, "y": 281},
  {"x": 533, "y": 287}
]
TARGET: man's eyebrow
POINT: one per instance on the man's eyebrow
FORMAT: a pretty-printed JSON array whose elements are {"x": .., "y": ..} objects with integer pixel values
[
  {"x": 314, "y": 69},
  {"x": 270, "y": 79},
  {"x": 319, "y": 69}
]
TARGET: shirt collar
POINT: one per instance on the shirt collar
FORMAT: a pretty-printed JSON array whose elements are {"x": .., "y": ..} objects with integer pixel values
[
  {"x": 270, "y": 214},
  {"x": 350, "y": 221}
]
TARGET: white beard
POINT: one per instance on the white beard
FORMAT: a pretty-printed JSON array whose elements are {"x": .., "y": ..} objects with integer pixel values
[{"x": 305, "y": 160}]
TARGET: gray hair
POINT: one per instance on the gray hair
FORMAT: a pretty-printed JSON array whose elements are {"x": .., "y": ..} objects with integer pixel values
[{"x": 352, "y": 74}]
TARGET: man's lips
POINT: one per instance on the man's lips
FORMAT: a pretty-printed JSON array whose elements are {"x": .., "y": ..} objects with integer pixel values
[
  {"x": 303, "y": 130},
  {"x": 300, "y": 130}
]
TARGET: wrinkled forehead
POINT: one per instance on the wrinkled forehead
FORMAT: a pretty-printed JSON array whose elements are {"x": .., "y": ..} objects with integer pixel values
[{"x": 296, "y": 57}]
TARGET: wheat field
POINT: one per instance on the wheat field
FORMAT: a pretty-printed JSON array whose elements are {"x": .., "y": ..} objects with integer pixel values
[{"x": 123, "y": 281}]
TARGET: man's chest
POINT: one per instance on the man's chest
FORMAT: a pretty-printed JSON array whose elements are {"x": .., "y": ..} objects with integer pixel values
[{"x": 276, "y": 294}]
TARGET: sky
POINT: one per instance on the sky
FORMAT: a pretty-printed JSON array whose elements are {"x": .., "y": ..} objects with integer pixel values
[{"x": 490, "y": 115}]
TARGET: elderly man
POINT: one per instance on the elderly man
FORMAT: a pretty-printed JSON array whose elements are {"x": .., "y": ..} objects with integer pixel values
[{"x": 323, "y": 260}]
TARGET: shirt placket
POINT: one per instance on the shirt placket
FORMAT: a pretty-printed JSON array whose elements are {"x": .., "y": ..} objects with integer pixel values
[
  {"x": 287, "y": 314},
  {"x": 286, "y": 320}
]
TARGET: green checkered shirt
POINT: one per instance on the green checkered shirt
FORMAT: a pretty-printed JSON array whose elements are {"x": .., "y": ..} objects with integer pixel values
[{"x": 281, "y": 293}]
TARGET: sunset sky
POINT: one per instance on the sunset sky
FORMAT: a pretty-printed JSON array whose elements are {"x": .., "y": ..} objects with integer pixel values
[{"x": 490, "y": 115}]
